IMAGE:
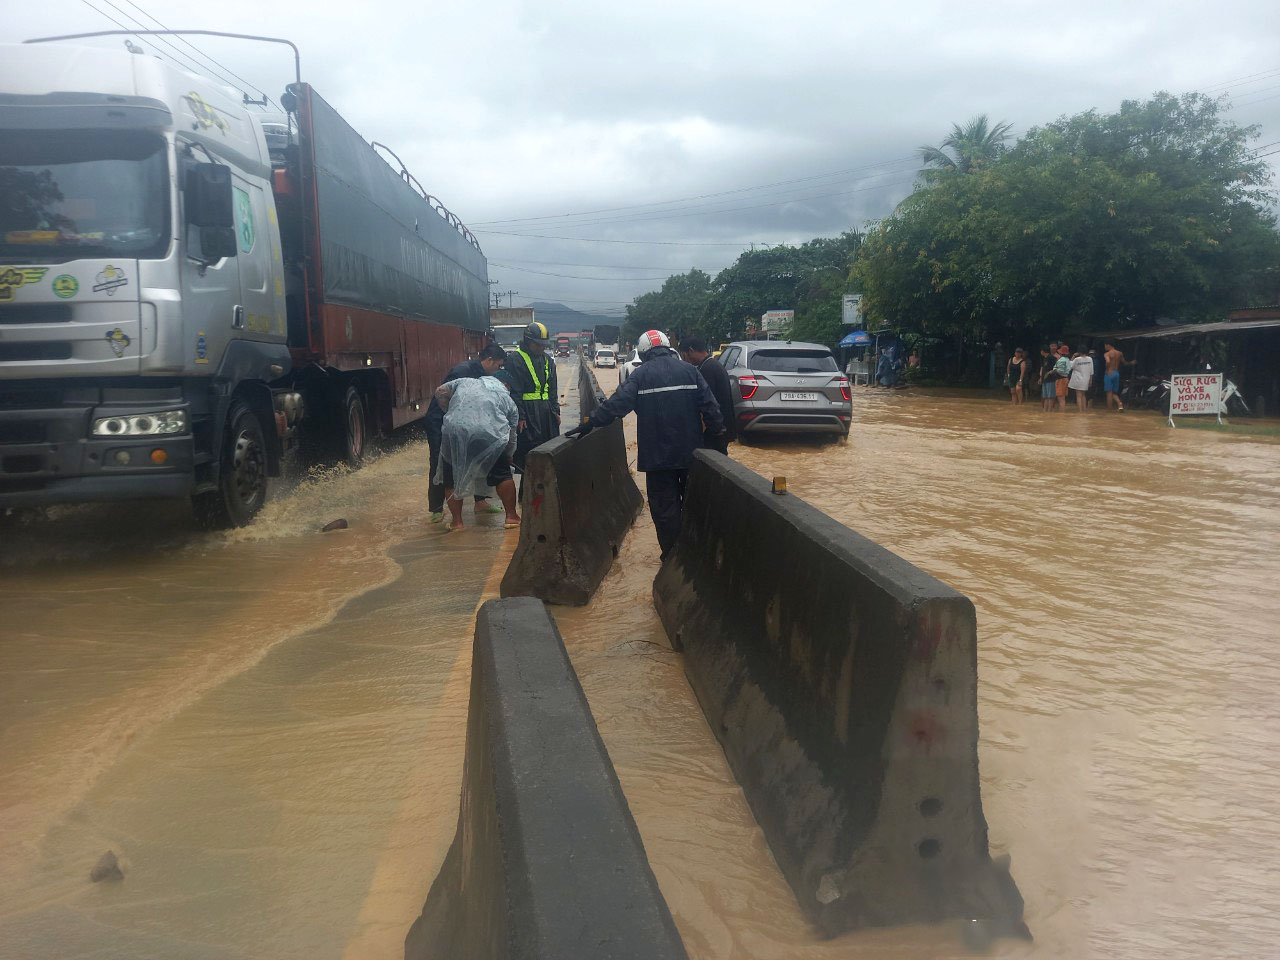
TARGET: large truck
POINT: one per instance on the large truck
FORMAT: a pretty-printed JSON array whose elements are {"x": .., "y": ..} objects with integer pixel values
[
  {"x": 507, "y": 325},
  {"x": 189, "y": 291}
]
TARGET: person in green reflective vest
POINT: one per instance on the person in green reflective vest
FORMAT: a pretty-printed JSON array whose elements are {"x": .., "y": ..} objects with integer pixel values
[{"x": 536, "y": 391}]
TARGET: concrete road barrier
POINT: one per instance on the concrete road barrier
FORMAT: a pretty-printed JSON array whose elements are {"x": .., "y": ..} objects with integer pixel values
[
  {"x": 579, "y": 501},
  {"x": 590, "y": 395},
  {"x": 547, "y": 863},
  {"x": 842, "y": 683}
]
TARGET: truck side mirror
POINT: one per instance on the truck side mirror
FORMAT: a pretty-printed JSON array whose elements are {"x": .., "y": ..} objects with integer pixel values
[{"x": 209, "y": 209}]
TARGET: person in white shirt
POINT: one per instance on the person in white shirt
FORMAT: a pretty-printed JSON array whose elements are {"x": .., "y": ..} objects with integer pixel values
[{"x": 1081, "y": 376}]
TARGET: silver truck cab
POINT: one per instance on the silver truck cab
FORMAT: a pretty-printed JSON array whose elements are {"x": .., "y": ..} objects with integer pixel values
[{"x": 141, "y": 287}]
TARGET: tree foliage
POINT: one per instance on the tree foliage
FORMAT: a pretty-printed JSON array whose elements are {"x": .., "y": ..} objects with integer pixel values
[
  {"x": 970, "y": 147},
  {"x": 1109, "y": 219},
  {"x": 676, "y": 308},
  {"x": 808, "y": 278}
]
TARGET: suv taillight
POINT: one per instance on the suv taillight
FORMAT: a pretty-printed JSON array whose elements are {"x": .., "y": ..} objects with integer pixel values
[
  {"x": 843, "y": 384},
  {"x": 748, "y": 385}
]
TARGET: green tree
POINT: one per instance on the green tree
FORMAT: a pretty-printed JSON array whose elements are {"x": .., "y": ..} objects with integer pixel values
[
  {"x": 1098, "y": 220},
  {"x": 773, "y": 278},
  {"x": 971, "y": 147},
  {"x": 676, "y": 308}
]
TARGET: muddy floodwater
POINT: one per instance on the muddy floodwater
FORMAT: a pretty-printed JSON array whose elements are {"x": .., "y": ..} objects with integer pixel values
[{"x": 267, "y": 726}]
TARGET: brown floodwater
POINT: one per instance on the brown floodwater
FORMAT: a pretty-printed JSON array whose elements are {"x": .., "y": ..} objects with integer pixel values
[
  {"x": 267, "y": 726},
  {"x": 1124, "y": 575}
]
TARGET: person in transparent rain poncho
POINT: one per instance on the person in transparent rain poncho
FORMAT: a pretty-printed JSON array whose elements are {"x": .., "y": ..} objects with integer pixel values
[{"x": 479, "y": 434}]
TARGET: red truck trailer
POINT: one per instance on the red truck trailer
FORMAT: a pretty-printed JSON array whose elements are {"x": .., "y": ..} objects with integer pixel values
[{"x": 385, "y": 288}]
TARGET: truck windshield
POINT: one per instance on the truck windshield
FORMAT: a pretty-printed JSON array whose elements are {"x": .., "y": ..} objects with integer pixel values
[
  {"x": 509, "y": 336},
  {"x": 70, "y": 194}
]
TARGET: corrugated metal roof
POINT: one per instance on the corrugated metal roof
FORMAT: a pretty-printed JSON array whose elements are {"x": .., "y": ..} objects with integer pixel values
[{"x": 1186, "y": 330}]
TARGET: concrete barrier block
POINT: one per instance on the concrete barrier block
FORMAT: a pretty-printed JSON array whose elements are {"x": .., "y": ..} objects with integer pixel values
[
  {"x": 842, "y": 684},
  {"x": 579, "y": 500},
  {"x": 547, "y": 863},
  {"x": 590, "y": 395}
]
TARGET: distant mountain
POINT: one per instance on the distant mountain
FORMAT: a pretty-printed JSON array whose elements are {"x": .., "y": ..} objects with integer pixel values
[{"x": 562, "y": 319}]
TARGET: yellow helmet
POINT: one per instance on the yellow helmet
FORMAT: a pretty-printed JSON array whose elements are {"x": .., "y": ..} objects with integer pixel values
[{"x": 538, "y": 333}]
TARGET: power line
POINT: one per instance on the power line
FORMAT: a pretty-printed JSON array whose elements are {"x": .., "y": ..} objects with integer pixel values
[
  {"x": 175, "y": 54},
  {"x": 184, "y": 40},
  {"x": 704, "y": 196},
  {"x": 1269, "y": 72},
  {"x": 658, "y": 243},
  {"x": 603, "y": 266},
  {"x": 122, "y": 26},
  {"x": 671, "y": 215},
  {"x": 570, "y": 276}
]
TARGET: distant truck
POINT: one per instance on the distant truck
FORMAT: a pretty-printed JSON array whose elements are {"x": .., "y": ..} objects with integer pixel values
[
  {"x": 189, "y": 290},
  {"x": 606, "y": 333},
  {"x": 507, "y": 325},
  {"x": 564, "y": 345}
]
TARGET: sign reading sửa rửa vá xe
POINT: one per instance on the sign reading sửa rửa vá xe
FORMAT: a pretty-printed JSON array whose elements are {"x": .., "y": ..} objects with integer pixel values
[{"x": 1195, "y": 394}]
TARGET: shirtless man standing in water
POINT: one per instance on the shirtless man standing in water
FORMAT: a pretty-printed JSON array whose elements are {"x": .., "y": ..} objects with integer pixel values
[{"x": 1111, "y": 379}]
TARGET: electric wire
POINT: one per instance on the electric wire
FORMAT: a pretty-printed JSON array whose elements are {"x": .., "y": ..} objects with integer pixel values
[
  {"x": 122, "y": 26},
  {"x": 672, "y": 215},
  {"x": 176, "y": 55},
  {"x": 572, "y": 276},
  {"x": 651, "y": 243},
  {"x": 703, "y": 196},
  {"x": 222, "y": 66}
]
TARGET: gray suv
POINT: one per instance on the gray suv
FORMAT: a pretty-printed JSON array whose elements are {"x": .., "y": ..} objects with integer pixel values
[{"x": 783, "y": 386}]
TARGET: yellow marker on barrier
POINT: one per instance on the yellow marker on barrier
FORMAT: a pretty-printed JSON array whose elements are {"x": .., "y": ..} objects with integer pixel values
[{"x": 780, "y": 485}]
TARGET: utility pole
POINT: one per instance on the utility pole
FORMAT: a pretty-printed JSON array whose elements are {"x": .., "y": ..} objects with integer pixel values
[{"x": 499, "y": 294}]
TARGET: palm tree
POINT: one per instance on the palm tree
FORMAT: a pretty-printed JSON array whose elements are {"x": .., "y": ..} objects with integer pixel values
[{"x": 971, "y": 146}]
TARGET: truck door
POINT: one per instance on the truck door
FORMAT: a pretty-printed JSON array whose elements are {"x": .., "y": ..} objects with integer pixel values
[
  {"x": 261, "y": 315},
  {"x": 210, "y": 301}
]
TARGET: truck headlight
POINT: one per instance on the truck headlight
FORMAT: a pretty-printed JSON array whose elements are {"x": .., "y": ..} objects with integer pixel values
[{"x": 142, "y": 424}]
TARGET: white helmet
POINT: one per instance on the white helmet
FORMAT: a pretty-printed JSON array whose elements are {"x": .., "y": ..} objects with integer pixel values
[{"x": 650, "y": 339}]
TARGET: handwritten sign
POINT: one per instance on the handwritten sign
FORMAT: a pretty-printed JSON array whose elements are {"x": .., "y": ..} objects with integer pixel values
[{"x": 1195, "y": 394}]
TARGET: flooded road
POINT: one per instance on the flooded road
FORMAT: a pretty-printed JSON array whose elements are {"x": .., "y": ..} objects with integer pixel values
[
  {"x": 254, "y": 722},
  {"x": 1124, "y": 578},
  {"x": 267, "y": 726}
]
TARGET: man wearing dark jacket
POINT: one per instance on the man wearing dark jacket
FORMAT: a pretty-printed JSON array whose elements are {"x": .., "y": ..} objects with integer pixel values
[
  {"x": 536, "y": 391},
  {"x": 487, "y": 364},
  {"x": 694, "y": 351},
  {"x": 672, "y": 403}
]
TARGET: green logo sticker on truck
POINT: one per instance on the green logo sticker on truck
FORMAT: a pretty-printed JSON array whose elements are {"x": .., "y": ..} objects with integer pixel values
[
  {"x": 244, "y": 220},
  {"x": 65, "y": 286}
]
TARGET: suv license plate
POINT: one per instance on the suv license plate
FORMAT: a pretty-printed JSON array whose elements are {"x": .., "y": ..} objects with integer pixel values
[{"x": 799, "y": 396}]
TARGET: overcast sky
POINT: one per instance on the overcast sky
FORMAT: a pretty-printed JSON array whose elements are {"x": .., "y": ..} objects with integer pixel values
[{"x": 786, "y": 120}]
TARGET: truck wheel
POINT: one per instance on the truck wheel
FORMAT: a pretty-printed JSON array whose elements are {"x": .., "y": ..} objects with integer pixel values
[
  {"x": 242, "y": 476},
  {"x": 354, "y": 424}
]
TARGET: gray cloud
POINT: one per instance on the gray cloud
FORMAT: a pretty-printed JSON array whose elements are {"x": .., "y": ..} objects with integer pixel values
[{"x": 512, "y": 110}]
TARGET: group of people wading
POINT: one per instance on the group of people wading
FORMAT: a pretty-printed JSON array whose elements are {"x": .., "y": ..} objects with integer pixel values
[
  {"x": 491, "y": 411},
  {"x": 1063, "y": 373},
  {"x": 484, "y": 419}
]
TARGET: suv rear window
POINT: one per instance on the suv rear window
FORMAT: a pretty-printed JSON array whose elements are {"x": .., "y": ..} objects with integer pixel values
[{"x": 793, "y": 361}]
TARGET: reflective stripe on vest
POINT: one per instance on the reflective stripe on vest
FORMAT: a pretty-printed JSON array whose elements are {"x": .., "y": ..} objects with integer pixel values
[{"x": 541, "y": 389}]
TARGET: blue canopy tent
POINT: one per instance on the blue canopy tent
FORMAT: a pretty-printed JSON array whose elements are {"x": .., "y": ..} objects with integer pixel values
[{"x": 858, "y": 338}]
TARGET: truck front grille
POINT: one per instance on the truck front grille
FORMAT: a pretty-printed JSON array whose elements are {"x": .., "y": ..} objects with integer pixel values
[
  {"x": 36, "y": 350},
  {"x": 35, "y": 313},
  {"x": 23, "y": 431}
]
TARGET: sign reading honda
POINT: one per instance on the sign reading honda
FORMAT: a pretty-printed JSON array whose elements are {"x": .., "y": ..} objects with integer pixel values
[
  {"x": 851, "y": 309},
  {"x": 1195, "y": 394}
]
